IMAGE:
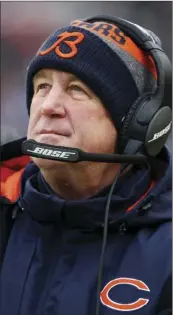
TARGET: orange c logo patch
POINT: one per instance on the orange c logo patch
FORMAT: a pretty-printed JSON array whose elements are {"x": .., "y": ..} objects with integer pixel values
[
  {"x": 104, "y": 295},
  {"x": 71, "y": 43}
]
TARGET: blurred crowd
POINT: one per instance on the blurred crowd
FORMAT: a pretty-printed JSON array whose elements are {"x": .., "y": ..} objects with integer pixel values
[{"x": 25, "y": 25}]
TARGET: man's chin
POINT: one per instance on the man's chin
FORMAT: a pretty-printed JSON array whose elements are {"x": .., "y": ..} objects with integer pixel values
[{"x": 47, "y": 164}]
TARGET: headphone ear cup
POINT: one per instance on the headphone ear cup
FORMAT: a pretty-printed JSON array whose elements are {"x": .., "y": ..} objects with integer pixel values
[
  {"x": 127, "y": 123},
  {"x": 158, "y": 131}
]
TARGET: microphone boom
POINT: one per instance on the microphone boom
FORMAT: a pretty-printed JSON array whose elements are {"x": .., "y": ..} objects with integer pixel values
[{"x": 60, "y": 153}]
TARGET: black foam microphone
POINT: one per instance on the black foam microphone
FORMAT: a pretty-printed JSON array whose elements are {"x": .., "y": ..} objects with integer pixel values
[{"x": 60, "y": 153}]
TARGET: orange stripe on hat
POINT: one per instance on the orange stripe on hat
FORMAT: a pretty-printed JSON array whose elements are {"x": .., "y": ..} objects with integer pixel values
[
  {"x": 114, "y": 34},
  {"x": 140, "y": 56},
  {"x": 130, "y": 47}
]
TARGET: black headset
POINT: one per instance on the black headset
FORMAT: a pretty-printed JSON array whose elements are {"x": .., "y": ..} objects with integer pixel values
[{"x": 148, "y": 122}]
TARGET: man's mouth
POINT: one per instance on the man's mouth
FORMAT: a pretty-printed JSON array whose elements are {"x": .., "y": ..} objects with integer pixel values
[{"x": 64, "y": 133}]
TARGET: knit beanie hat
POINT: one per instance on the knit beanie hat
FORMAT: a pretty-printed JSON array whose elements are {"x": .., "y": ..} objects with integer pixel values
[{"x": 104, "y": 58}]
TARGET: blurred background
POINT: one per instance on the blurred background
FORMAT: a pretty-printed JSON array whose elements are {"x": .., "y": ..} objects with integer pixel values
[{"x": 25, "y": 25}]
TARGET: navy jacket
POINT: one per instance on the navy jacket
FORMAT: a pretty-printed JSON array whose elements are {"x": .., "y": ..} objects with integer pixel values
[{"x": 52, "y": 258}]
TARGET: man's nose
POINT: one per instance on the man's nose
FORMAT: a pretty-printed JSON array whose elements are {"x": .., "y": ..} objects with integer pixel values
[{"x": 53, "y": 104}]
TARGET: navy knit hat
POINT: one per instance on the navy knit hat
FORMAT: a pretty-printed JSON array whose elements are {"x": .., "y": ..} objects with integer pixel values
[{"x": 104, "y": 58}]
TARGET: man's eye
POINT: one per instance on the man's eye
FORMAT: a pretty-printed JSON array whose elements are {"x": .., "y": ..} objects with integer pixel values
[
  {"x": 42, "y": 86},
  {"x": 76, "y": 88}
]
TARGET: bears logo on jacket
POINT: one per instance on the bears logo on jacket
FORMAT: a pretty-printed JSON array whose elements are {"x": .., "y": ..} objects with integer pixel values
[{"x": 141, "y": 302}]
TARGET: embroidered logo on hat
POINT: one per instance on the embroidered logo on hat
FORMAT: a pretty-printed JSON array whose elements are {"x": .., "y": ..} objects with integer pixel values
[
  {"x": 70, "y": 39},
  {"x": 105, "y": 30}
]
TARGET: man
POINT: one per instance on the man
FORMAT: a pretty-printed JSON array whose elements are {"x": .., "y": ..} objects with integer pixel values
[{"x": 80, "y": 86}]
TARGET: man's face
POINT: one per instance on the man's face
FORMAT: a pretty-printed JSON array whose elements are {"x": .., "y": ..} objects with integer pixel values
[{"x": 65, "y": 112}]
